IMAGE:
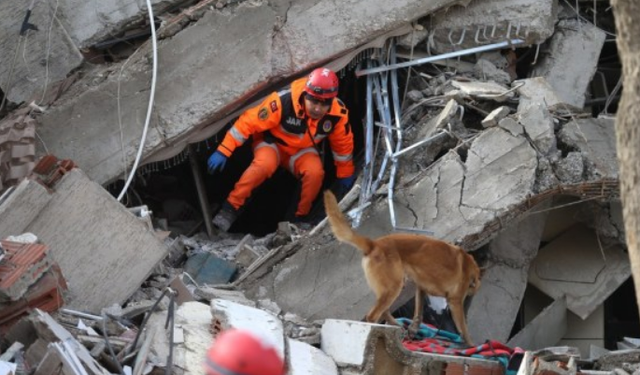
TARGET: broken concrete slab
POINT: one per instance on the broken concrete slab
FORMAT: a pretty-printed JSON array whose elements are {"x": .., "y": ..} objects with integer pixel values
[
  {"x": 47, "y": 53},
  {"x": 584, "y": 334},
  {"x": 441, "y": 121},
  {"x": 504, "y": 280},
  {"x": 617, "y": 359},
  {"x": 481, "y": 90},
  {"x": 308, "y": 360},
  {"x": 511, "y": 125},
  {"x": 492, "y": 21},
  {"x": 571, "y": 60},
  {"x": 538, "y": 90},
  {"x": 104, "y": 251},
  {"x": 544, "y": 330},
  {"x": 377, "y": 349},
  {"x": 417, "y": 35},
  {"x": 485, "y": 161},
  {"x": 229, "y": 314},
  {"x": 538, "y": 125},
  {"x": 194, "y": 318},
  {"x": 20, "y": 205},
  {"x": 269, "y": 51},
  {"x": 576, "y": 266},
  {"x": 486, "y": 71},
  {"x": 595, "y": 139},
  {"x": 495, "y": 116}
]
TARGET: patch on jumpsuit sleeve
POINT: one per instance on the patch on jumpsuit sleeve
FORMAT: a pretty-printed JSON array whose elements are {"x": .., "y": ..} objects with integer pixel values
[
  {"x": 274, "y": 106},
  {"x": 263, "y": 113}
]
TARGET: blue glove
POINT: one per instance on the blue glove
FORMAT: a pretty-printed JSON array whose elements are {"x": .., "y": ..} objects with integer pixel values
[
  {"x": 345, "y": 183},
  {"x": 216, "y": 162}
]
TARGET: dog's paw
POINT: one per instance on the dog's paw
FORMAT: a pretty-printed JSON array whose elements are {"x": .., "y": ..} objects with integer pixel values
[{"x": 413, "y": 330}]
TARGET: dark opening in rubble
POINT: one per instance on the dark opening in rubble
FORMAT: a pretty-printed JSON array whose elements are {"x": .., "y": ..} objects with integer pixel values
[
  {"x": 621, "y": 317},
  {"x": 169, "y": 190}
]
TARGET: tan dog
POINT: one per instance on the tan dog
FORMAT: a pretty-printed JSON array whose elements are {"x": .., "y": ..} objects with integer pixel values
[{"x": 437, "y": 268}]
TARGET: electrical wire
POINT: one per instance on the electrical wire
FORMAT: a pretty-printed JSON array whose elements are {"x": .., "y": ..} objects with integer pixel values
[
  {"x": 46, "y": 71},
  {"x": 151, "y": 100}
]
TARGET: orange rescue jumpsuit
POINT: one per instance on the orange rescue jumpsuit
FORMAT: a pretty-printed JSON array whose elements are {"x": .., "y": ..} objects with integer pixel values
[{"x": 282, "y": 135}]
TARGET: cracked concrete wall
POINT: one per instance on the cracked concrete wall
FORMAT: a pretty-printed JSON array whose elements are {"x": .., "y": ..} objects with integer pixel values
[
  {"x": 206, "y": 71},
  {"x": 455, "y": 193}
]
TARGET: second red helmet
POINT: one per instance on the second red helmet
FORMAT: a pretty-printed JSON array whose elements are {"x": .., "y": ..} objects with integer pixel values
[
  {"x": 240, "y": 352},
  {"x": 322, "y": 83}
]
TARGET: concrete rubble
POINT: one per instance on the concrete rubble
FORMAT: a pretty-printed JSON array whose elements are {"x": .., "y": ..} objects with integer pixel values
[
  {"x": 500, "y": 149},
  {"x": 571, "y": 60}
]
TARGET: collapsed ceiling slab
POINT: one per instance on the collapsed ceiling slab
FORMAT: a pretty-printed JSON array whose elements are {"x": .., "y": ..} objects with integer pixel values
[
  {"x": 202, "y": 78},
  {"x": 579, "y": 267}
]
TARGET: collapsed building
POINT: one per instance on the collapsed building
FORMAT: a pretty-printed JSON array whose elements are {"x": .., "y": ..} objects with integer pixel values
[{"x": 488, "y": 124}]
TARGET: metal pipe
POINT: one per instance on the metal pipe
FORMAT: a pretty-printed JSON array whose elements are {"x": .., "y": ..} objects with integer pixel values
[
  {"x": 415, "y": 230},
  {"x": 202, "y": 194},
  {"x": 384, "y": 114},
  {"x": 396, "y": 112},
  {"x": 367, "y": 173},
  {"x": 81, "y": 314},
  {"x": 383, "y": 166},
  {"x": 464, "y": 52},
  {"x": 369, "y": 138},
  {"x": 418, "y": 144}
]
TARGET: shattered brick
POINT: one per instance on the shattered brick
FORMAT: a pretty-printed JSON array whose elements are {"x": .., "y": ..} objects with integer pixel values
[
  {"x": 45, "y": 294},
  {"x": 21, "y": 267}
]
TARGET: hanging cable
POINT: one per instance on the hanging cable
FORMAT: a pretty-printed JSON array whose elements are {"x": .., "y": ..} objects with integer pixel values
[{"x": 151, "y": 99}]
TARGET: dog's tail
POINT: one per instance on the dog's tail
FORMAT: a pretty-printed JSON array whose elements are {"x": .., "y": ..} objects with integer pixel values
[{"x": 341, "y": 228}]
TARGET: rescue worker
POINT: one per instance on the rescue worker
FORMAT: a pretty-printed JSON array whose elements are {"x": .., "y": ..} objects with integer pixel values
[
  {"x": 287, "y": 128},
  {"x": 240, "y": 352}
]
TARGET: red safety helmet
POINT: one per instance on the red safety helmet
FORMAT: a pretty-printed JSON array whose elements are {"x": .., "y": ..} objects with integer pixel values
[
  {"x": 322, "y": 83},
  {"x": 239, "y": 352}
]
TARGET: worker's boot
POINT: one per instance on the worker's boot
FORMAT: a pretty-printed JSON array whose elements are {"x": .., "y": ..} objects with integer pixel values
[{"x": 225, "y": 217}]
